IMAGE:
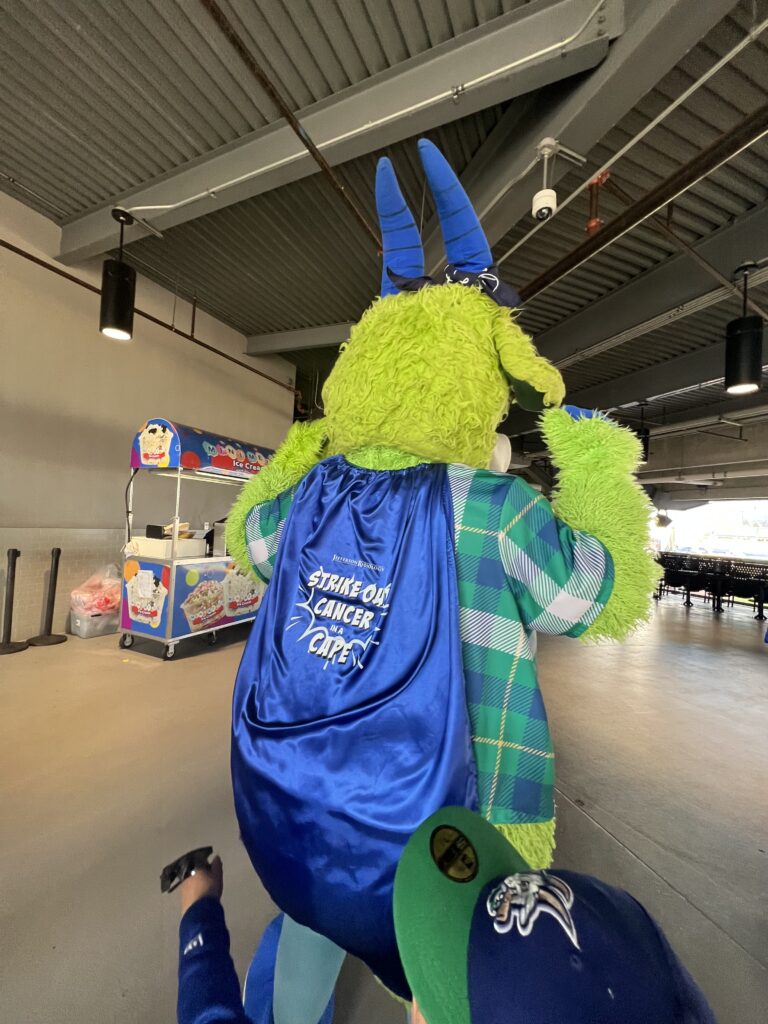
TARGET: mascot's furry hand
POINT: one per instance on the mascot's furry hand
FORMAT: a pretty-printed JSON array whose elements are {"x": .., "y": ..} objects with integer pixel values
[{"x": 596, "y": 492}]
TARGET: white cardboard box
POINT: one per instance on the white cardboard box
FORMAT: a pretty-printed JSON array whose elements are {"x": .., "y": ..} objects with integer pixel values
[{"x": 152, "y": 547}]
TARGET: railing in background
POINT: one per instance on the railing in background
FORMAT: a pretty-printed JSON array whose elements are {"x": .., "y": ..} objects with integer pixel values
[{"x": 716, "y": 576}]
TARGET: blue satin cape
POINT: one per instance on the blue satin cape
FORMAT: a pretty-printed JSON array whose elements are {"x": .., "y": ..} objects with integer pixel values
[{"x": 350, "y": 724}]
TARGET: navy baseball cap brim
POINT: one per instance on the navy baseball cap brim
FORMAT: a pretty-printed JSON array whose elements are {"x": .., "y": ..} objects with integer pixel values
[{"x": 486, "y": 940}]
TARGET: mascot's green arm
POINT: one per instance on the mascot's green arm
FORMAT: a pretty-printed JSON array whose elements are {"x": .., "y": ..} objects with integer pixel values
[
  {"x": 301, "y": 450},
  {"x": 597, "y": 492}
]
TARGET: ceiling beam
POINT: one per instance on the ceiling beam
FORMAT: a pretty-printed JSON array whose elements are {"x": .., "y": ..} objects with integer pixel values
[
  {"x": 673, "y": 375},
  {"x": 658, "y": 34},
  {"x": 721, "y": 472},
  {"x": 664, "y": 289},
  {"x": 297, "y": 341},
  {"x": 519, "y": 52},
  {"x": 666, "y": 378},
  {"x": 741, "y": 412},
  {"x": 744, "y": 412},
  {"x": 740, "y": 490}
]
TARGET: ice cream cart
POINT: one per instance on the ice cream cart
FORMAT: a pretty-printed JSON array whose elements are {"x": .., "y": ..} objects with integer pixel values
[{"x": 178, "y": 586}]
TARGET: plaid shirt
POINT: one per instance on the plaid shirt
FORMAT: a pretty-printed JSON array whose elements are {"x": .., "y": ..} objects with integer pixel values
[{"x": 520, "y": 571}]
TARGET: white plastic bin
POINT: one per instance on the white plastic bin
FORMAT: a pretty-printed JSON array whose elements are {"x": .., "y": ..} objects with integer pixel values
[{"x": 87, "y": 626}]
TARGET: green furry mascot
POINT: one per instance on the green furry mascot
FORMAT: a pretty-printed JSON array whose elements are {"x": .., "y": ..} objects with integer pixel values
[{"x": 420, "y": 387}]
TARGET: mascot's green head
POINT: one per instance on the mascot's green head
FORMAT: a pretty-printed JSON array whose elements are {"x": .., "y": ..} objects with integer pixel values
[{"x": 430, "y": 370}]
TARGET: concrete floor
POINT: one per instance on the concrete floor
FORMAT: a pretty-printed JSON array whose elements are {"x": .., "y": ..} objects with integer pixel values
[{"x": 113, "y": 762}]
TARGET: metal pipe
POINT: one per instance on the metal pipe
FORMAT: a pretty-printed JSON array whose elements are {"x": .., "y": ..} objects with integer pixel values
[
  {"x": 48, "y": 638},
  {"x": 51, "y": 595},
  {"x": 6, "y": 645},
  {"x": 757, "y": 412},
  {"x": 378, "y": 122},
  {"x": 10, "y": 586},
  {"x": 175, "y": 533},
  {"x": 753, "y": 34},
  {"x": 745, "y": 296},
  {"x": 709, "y": 477},
  {"x": 595, "y": 221},
  {"x": 147, "y": 316},
  {"x": 230, "y": 32},
  {"x": 665, "y": 228},
  {"x": 705, "y": 467},
  {"x": 749, "y": 131},
  {"x": 129, "y": 510},
  {"x": 31, "y": 192}
]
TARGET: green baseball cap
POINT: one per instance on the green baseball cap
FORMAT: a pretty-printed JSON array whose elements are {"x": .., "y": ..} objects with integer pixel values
[{"x": 447, "y": 863}]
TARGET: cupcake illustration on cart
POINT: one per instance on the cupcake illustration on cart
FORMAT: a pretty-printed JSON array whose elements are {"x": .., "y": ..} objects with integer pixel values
[
  {"x": 242, "y": 594},
  {"x": 146, "y": 597},
  {"x": 155, "y": 445},
  {"x": 204, "y": 606}
]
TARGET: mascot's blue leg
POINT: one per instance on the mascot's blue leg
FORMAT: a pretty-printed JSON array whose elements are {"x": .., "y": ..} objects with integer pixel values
[
  {"x": 292, "y": 976},
  {"x": 307, "y": 967}
]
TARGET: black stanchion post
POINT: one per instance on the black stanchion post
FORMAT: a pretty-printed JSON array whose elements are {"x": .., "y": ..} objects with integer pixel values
[
  {"x": 47, "y": 638},
  {"x": 6, "y": 646}
]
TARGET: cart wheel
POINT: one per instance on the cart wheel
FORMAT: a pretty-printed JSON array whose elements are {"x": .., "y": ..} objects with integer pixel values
[
  {"x": 169, "y": 651},
  {"x": 126, "y": 640},
  {"x": 212, "y": 638}
]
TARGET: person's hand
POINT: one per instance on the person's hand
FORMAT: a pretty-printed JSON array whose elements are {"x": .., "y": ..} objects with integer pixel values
[
  {"x": 207, "y": 881},
  {"x": 416, "y": 1016}
]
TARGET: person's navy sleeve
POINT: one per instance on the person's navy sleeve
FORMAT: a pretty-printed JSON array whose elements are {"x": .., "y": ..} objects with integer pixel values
[{"x": 209, "y": 990}]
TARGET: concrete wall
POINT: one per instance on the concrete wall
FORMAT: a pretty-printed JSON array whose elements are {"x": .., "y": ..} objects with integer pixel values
[
  {"x": 71, "y": 401},
  {"x": 720, "y": 445}
]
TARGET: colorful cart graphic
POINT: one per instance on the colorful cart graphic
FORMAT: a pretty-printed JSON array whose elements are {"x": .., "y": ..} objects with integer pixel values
[{"x": 170, "y": 599}]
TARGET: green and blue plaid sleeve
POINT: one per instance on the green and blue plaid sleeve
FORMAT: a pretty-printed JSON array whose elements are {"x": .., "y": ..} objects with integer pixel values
[
  {"x": 263, "y": 529},
  {"x": 561, "y": 578}
]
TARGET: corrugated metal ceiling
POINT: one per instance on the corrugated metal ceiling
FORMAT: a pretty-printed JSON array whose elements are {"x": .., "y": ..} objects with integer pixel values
[
  {"x": 341, "y": 273},
  {"x": 705, "y": 399},
  {"x": 738, "y": 186},
  {"x": 295, "y": 257},
  {"x": 252, "y": 301},
  {"x": 99, "y": 97},
  {"x": 694, "y": 333}
]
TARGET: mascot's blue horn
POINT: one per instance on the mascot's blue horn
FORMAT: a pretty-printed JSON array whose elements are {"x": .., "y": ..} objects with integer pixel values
[
  {"x": 466, "y": 246},
  {"x": 470, "y": 261},
  {"x": 402, "y": 252}
]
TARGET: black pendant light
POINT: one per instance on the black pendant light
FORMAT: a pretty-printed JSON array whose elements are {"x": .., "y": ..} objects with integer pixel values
[
  {"x": 118, "y": 289},
  {"x": 744, "y": 346}
]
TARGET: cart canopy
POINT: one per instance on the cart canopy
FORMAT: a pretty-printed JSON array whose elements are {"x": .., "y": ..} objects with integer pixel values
[{"x": 160, "y": 444}]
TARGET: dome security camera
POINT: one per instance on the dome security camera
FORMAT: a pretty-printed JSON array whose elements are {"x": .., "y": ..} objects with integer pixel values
[{"x": 544, "y": 204}]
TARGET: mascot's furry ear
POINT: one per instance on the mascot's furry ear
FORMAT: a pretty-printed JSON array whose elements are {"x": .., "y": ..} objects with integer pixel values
[
  {"x": 535, "y": 382},
  {"x": 526, "y": 396}
]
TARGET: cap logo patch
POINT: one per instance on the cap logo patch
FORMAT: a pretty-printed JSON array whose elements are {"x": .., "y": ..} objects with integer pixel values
[
  {"x": 518, "y": 901},
  {"x": 453, "y": 854}
]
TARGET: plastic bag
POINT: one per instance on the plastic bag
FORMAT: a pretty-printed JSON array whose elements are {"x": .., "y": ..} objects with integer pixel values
[{"x": 100, "y": 594}]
